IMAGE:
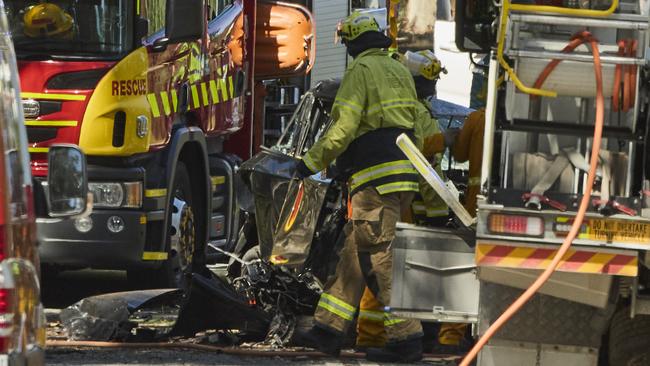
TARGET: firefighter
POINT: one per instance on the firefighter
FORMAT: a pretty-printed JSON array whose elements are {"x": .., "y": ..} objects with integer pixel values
[
  {"x": 427, "y": 209},
  {"x": 375, "y": 103},
  {"x": 47, "y": 21}
]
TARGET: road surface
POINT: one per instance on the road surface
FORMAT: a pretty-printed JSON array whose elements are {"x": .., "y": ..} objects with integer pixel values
[{"x": 112, "y": 357}]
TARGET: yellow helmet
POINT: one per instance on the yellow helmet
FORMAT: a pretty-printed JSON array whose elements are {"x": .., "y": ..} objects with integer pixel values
[
  {"x": 47, "y": 20},
  {"x": 355, "y": 25},
  {"x": 424, "y": 63}
]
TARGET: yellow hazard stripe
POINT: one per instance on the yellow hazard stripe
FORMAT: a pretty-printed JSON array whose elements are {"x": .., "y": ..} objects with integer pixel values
[
  {"x": 143, "y": 219},
  {"x": 38, "y": 150},
  {"x": 174, "y": 100},
  {"x": 164, "y": 96},
  {"x": 223, "y": 90},
  {"x": 575, "y": 260},
  {"x": 195, "y": 97},
  {"x": 214, "y": 92},
  {"x": 517, "y": 257},
  {"x": 161, "y": 192},
  {"x": 154, "y": 256},
  {"x": 52, "y": 96},
  {"x": 155, "y": 111},
  {"x": 204, "y": 94},
  {"x": 31, "y": 122}
]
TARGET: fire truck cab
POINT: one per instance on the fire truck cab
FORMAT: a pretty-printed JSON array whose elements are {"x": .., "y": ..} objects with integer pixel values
[{"x": 159, "y": 96}]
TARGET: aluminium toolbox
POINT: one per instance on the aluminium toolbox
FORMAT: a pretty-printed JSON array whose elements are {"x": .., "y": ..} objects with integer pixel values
[{"x": 434, "y": 275}]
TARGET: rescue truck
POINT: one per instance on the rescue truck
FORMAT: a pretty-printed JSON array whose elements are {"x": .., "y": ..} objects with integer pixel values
[
  {"x": 160, "y": 100},
  {"x": 555, "y": 68}
]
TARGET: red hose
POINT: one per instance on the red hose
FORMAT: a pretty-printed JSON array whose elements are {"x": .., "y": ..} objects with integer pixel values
[
  {"x": 626, "y": 79},
  {"x": 625, "y": 74},
  {"x": 631, "y": 75},
  {"x": 576, "y": 41},
  {"x": 616, "y": 93},
  {"x": 584, "y": 204}
]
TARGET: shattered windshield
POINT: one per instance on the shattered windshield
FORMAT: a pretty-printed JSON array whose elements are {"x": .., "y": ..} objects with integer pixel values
[{"x": 100, "y": 28}]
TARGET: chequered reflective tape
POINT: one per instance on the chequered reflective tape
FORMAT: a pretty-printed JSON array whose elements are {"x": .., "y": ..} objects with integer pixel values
[{"x": 575, "y": 260}]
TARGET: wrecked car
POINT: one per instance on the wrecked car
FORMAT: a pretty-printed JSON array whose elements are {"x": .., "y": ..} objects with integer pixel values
[{"x": 293, "y": 231}]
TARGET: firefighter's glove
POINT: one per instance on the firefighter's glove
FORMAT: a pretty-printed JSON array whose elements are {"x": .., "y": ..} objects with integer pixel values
[
  {"x": 302, "y": 171},
  {"x": 450, "y": 136}
]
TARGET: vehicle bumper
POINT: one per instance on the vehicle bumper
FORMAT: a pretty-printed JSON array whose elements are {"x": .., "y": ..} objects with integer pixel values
[{"x": 61, "y": 243}]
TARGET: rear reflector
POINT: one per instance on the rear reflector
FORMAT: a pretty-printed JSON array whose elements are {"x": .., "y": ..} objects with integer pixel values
[
  {"x": 6, "y": 319},
  {"x": 516, "y": 225}
]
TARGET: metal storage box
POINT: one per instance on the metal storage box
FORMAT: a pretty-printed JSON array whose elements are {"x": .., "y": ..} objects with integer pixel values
[{"x": 434, "y": 275}]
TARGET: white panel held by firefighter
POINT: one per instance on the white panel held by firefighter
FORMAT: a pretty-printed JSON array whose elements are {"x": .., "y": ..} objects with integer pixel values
[{"x": 448, "y": 193}]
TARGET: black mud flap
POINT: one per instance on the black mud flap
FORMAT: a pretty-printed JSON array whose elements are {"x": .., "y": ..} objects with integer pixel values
[{"x": 213, "y": 304}]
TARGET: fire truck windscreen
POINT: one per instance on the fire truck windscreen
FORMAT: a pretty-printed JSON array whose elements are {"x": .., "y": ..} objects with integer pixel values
[{"x": 89, "y": 28}]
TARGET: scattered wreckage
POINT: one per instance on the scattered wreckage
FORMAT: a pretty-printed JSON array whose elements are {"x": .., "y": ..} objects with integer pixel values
[{"x": 286, "y": 250}]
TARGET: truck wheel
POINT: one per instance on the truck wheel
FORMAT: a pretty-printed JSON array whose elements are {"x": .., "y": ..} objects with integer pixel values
[
  {"x": 629, "y": 339},
  {"x": 181, "y": 238}
]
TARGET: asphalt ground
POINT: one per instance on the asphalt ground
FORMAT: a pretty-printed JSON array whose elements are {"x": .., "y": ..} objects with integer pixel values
[
  {"x": 65, "y": 288},
  {"x": 114, "y": 357}
]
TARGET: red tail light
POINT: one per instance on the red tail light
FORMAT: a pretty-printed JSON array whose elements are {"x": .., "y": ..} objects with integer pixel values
[
  {"x": 516, "y": 225},
  {"x": 6, "y": 319}
]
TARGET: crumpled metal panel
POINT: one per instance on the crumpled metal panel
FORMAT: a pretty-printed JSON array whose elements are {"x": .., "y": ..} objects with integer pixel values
[
  {"x": 213, "y": 304},
  {"x": 106, "y": 317},
  {"x": 267, "y": 175},
  {"x": 298, "y": 220}
]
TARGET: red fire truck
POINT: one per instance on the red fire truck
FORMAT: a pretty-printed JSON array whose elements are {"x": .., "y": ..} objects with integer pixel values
[{"x": 160, "y": 99}]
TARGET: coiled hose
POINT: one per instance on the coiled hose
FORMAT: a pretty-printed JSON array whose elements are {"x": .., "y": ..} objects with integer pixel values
[{"x": 584, "y": 205}]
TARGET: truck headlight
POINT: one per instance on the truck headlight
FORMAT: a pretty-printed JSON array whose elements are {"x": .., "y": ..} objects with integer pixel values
[{"x": 115, "y": 195}]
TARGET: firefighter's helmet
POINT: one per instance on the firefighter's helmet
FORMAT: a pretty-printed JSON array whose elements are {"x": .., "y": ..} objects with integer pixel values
[
  {"x": 424, "y": 63},
  {"x": 355, "y": 25},
  {"x": 47, "y": 20}
]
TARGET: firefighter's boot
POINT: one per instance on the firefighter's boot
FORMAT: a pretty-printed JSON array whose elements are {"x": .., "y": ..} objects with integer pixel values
[
  {"x": 406, "y": 351},
  {"x": 319, "y": 339}
]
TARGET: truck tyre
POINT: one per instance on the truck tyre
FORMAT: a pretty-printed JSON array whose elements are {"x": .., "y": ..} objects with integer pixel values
[
  {"x": 180, "y": 243},
  {"x": 629, "y": 339}
]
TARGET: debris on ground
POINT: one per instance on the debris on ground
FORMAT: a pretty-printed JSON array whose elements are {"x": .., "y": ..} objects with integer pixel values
[{"x": 121, "y": 316}]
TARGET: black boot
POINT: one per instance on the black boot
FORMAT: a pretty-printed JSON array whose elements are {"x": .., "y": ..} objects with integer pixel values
[
  {"x": 320, "y": 339},
  {"x": 406, "y": 351}
]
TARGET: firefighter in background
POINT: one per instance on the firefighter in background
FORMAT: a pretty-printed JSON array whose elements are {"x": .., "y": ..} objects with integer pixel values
[
  {"x": 375, "y": 103},
  {"x": 47, "y": 21}
]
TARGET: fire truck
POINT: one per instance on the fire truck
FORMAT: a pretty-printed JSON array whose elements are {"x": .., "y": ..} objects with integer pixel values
[
  {"x": 159, "y": 96},
  {"x": 564, "y": 185}
]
